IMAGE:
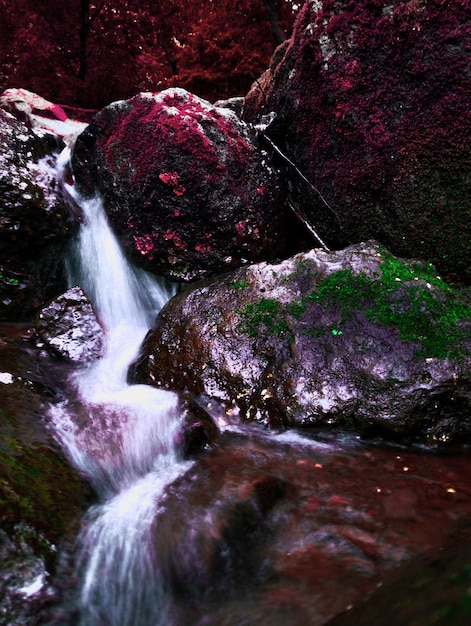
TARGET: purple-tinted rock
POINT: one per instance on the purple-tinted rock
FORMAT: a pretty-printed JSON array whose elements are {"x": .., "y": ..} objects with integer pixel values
[
  {"x": 198, "y": 430},
  {"x": 356, "y": 338},
  {"x": 291, "y": 529},
  {"x": 36, "y": 221},
  {"x": 372, "y": 105},
  {"x": 43, "y": 116},
  {"x": 185, "y": 185},
  {"x": 70, "y": 327}
]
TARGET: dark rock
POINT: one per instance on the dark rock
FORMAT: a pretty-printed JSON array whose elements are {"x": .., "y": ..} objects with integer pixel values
[
  {"x": 70, "y": 327},
  {"x": 185, "y": 185},
  {"x": 424, "y": 592},
  {"x": 42, "y": 499},
  {"x": 372, "y": 105},
  {"x": 46, "y": 119},
  {"x": 199, "y": 429},
  {"x": 36, "y": 221},
  {"x": 354, "y": 339},
  {"x": 294, "y": 528},
  {"x": 221, "y": 548}
]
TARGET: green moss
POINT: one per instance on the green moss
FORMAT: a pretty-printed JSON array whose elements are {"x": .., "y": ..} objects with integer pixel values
[
  {"x": 241, "y": 284},
  {"x": 347, "y": 290},
  {"x": 36, "y": 486},
  {"x": 264, "y": 316},
  {"x": 296, "y": 308},
  {"x": 409, "y": 296},
  {"x": 10, "y": 281}
]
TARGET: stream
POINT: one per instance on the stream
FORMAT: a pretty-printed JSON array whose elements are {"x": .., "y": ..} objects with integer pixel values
[
  {"x": 261, "y": 529},
  {"x": 120, "y": 437}
]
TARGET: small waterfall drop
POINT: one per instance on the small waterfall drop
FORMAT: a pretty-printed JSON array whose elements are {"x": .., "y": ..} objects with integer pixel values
[{"x": 120, "y": 436}]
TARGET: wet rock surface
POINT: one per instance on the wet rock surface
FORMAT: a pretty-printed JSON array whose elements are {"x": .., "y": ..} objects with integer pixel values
[
  {"x": 371, "y": 103},
  {"x": 354, "y": 339},
  {"x": 186, "y": 187},
  {"x": 429, "y": 591},
  {"x": 70, "y": 327},
  {"x": 41, "y": 497},
  {"x": 296, "y": 528},
  {"x": 199, "y": 431},
  {"x": 47, "y": 119},
  {"x": 36, "y": 220}
]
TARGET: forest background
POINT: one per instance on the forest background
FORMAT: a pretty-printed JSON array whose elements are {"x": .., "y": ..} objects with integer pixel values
[{"x": 87, "y": 54}]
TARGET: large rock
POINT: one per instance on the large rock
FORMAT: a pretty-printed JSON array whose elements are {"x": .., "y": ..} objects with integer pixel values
[
  {"x": 70, "y": 327},
  {"x": 42, "y": 499},
  {"x": 36, "y": 221},
  {"x": 372, "y": 105},
  {"x": 43, "y": 116},
  {"x": 288, "y": 530},
  {"x": 186, "y": 188},
  {"x": 357, "y": 339}
]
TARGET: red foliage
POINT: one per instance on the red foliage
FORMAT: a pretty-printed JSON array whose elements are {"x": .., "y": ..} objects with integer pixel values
[
  {"x": 372, "y": 101},
  {"x": 89, "y": 54}
]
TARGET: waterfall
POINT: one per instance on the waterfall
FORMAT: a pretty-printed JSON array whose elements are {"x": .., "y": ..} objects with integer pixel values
[{"x": 120, "y": 436}]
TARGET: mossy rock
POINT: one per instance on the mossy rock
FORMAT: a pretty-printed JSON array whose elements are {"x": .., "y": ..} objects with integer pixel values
[{"x": 356, "y": 339}]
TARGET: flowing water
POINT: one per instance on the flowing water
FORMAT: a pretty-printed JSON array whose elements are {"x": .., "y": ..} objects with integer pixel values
[
  {"x": 261, "y": 529},
  {"x": 120, "y": 436}
]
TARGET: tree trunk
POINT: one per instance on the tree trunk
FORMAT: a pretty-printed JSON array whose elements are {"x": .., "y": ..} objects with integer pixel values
[
  {"x": 83, "y": 35},
  {"x": 278, "y": 34}
]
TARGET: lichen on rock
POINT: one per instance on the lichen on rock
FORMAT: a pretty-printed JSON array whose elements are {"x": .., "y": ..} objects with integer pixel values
[
  {"x": 186, "y": 187},
  {"x": 70, "y": 327},
  {"x": 36, "y": 220},
  {"x": 372, "y": 105},
  {"x": 354, "y": 339}
]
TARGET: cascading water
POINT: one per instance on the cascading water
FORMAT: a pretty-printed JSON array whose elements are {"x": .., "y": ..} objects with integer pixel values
[{"x": 120, "y": 436}]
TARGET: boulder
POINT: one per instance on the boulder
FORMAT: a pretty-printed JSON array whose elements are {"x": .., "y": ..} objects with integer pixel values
[
  {"x": 43, "y": 116},
  {"x": 42, "y": 499},
  {"x": 371, "y": 104},
  {"x": 70, "y": 327},
  {"x": 36, "y": 221},
  {"x": 199, "y": 430},
  {"x": 185, "y": 186},
  {"x": 354, "y": 339}
]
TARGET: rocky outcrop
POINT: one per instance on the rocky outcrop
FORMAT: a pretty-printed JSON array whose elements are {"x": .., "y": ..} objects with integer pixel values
[
  {"x": 39, "y": 114},
  {"x": 36, "y": 221},
  {"x": 357, "y": 339},
  {"x": 288, "y": 529},
  {"x": 186, "y": 188},
  {"x": 372, "y": 105},
  {"x": 42, "y": 498},
  {"x": 70, "y": 327}
]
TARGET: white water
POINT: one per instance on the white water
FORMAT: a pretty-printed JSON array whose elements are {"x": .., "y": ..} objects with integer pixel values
[{"x": 120, "y": 436}]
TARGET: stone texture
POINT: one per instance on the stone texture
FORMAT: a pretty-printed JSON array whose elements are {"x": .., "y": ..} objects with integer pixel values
[
  {"x": 42, "y": 499},
  {"x": 372, "y": 105},
  {"x": 70, "y": 327},
  {"x": 185, "y": 185},
  {"x": 36, "y": 221},
  {"x": 354, "y": 339},
  {"x": 43, "y": 116},
  {"x": 294, "y": 529}
]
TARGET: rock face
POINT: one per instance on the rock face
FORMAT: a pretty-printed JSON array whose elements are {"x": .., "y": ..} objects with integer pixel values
[
  {"x": 40, "y": 114},
  {"x": 70, "y": 327},
  {"x": 35, "y": 221},
  {"x": 372, "y": 105},
  {"x": 186, "y": 188},
  {"x": 284, "y": 530},
  {"x": 42, "y": 499},
  {"x": 357, "y": 339}
]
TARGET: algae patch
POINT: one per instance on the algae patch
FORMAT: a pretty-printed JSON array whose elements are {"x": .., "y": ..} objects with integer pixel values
[{"x": 407, "y": 296}]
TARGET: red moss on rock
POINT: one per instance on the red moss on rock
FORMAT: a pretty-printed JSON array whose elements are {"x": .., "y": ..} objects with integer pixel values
[
  {"x": 372, "y": 101},
  {"x": 177, "y": 175}
]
